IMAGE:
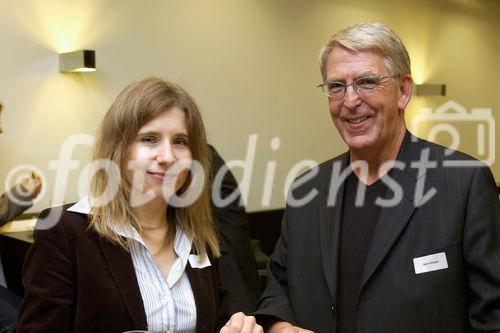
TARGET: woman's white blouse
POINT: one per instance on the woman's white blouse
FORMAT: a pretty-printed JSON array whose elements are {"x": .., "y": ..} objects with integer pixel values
[{"x": 168, "y": 302}]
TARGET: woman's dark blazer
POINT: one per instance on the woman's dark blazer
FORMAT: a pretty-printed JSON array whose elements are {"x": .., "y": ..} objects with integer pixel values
[{"x": 75, "y": 281}]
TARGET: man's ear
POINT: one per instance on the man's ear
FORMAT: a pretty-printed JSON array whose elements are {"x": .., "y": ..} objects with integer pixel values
[{"x": 405, "y": 91}]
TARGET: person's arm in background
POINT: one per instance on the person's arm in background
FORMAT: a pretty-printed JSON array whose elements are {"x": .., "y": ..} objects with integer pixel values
[
  {"x": 19, "y": 198},
  {"x": 237, "y": 266},
  {"x": 274, "y": 311},
  {"x": 481, "y": 251}
]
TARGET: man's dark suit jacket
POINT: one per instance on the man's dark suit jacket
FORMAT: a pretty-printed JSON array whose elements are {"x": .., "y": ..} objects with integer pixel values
[
  {"x": 461, "y": 220},
  {"x": 75, "y": 281}
]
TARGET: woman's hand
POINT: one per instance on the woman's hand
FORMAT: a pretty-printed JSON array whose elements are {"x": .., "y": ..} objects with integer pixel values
[{"x": 239, "y": 322}]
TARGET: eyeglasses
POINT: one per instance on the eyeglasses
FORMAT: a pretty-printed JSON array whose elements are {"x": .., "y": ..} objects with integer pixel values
[{"x": 362, "y": 85}]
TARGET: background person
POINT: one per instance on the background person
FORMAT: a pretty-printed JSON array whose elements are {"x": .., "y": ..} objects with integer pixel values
[
  {"x": 403, "y": 260},
  {"x": 12, "y": 204},
  {"x": 237, "y": 264},
  {"x": 20, "y": 197},
  {"x": 137, "y": 260}
]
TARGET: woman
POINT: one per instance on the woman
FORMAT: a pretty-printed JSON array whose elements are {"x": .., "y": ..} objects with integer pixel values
[{"x": 139, "y": 253}]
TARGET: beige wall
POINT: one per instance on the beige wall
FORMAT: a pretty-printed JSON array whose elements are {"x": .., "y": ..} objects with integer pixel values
[{"x": 251, "y": 65}]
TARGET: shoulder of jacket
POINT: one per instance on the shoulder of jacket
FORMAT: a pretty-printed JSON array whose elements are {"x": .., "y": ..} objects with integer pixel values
[{"x": 61, "y": 219}]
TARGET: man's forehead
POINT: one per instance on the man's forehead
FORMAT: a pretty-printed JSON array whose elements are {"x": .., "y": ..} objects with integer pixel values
[{"x": 343, "y": 61}]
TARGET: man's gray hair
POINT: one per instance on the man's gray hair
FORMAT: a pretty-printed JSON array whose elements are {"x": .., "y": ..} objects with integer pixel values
[{"x": 370, "y": 36}]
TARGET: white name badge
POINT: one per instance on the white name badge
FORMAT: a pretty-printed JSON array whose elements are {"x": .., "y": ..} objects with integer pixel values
[
  {"x": 432, "y": 262},
  {"x": 199, "y": 261}
]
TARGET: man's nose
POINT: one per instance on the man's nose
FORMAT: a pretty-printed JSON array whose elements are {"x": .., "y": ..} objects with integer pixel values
[{"x": 351, "y": 98}]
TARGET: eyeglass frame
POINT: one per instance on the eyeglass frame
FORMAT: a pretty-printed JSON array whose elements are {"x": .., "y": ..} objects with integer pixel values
[{"x": 353, "y": 84}]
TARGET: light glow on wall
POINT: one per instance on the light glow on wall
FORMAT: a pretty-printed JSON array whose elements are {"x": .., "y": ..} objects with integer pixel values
[{"x": 62, "y": 26}]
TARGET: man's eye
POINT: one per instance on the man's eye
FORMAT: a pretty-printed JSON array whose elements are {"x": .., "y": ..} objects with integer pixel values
[
  {"x": 335, "y": 86},
  {"x": 367, "y": 82}
]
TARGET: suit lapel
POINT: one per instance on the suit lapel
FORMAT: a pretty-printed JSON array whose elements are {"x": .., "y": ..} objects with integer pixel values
[
  {"x": 393, "y": 220},
  {"x": 122, "y": 270},
  {"x": 330, "y": 216},
  {"x": 204, "y": 296},
  {"x": 391, "y": 223}
]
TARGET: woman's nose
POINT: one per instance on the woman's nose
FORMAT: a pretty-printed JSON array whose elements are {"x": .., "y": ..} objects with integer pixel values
[{"x": 165, "y": 154}]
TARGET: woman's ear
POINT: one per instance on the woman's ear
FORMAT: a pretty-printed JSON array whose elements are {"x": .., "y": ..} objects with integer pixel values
[{"x": 405, "y": 91}]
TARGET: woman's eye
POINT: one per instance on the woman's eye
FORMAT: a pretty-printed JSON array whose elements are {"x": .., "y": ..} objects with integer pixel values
[
  {"x": 181, "y": 142},
  {"x": 148, "y": 140}
]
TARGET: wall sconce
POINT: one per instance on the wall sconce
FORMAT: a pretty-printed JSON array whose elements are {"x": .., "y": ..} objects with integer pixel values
[
  {"x": 77, "y": 61},
  {"x": 430, "y": 89}
]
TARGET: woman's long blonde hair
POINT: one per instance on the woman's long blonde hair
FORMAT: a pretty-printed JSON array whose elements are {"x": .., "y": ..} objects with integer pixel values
[{"x": 136, "y": 105}]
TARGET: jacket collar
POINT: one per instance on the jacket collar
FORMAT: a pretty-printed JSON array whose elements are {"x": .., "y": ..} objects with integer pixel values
[{"x": 393, "y": 220}]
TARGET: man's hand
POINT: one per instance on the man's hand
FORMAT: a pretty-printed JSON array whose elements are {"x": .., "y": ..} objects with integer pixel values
[
  {"x": 239, "y": 322},
  {"x": 285, "y": 327},
  {"x": 32, "y": 185}
]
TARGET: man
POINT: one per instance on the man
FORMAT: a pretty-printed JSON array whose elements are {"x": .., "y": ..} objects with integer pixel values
[{"x": 398, "y": 234}]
